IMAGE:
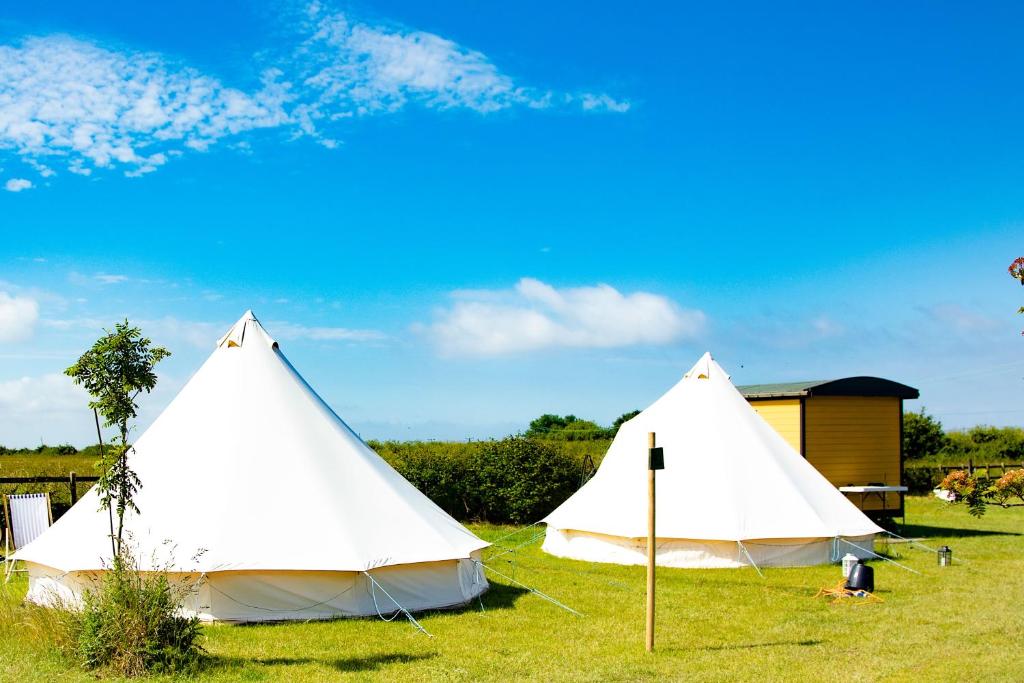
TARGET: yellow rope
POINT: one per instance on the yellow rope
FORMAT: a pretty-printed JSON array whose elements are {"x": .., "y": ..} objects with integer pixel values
[{"x": 841, "y": 594}]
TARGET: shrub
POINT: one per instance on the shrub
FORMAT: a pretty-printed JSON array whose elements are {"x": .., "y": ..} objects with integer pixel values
[
  {"x": 567, "y": 428},
  {"x": 131, "y": 625},
  {"x": 966, "y": 488},
  {"x": 921, "y": 479},
  {"x": 1009, "y": 486},
  {"x": 922, "y": 435},
  {"x": 978, "y": 492},
  {"x": 520, "y": 480},
  {"x": 440, "y": 471},
  {"x": 516, "y": 479},
  {"x": 986, "y": 444}
]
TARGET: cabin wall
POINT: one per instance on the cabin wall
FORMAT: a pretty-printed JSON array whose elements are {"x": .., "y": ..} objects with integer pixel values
[
  {"x": 855, "y": 440},
  {"x": 784, "y": 416}
]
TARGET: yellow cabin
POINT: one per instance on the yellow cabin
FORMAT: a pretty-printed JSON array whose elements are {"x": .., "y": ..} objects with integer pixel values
[{"x": 850, "y": 429}]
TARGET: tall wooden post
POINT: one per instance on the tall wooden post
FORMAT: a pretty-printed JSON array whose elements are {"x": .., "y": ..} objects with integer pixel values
[
  {"x": 651, "y": 547},
  {"x": 73, "y": 485}
]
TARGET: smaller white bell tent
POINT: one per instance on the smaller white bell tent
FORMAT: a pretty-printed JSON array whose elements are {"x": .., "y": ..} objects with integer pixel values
[
  {"x": 733, "y": 492},
  {"x": 298, "y": 517}
]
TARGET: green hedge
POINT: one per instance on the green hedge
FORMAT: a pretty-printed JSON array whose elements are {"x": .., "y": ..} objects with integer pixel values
[
  {"x": 516, "y": 480},
  {"x": 922, "y": 479}
]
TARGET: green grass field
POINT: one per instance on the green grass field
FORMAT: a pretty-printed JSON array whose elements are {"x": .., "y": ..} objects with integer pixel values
[{"x": 963, "y": 623}]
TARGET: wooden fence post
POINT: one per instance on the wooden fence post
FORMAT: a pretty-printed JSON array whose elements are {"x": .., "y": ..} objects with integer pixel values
[
  {"x": 73, "y": 483},
  {"x": 651, "y": 542}
]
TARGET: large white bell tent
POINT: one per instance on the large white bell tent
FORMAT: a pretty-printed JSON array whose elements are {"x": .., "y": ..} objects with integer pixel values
[
  {"x": 732, "y": 493},
  {"x": 298, "y": 517}
]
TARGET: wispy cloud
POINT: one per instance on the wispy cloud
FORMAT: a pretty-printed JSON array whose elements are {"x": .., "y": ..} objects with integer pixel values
[
  {"x": 535, "y": 316},
  {"x": 43, "y": 396},
  {"x": 18, "y": 317},
  {"x": 109, "y": 279},
  {"x": 81, "y": 106},
  {"x": 291, "y": 331},
  {"x": 89, "y": 107},
  {"x": 960, "y": 319},
  {"x": 18, "y": 184},
  {"x": 603, "y": 102},
  {"x": 358, "y": 69}
]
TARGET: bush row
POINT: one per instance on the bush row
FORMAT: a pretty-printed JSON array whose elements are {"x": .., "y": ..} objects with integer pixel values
[
  {"x": 516, "y": 480},
  {"x": 922, "y": 478}
]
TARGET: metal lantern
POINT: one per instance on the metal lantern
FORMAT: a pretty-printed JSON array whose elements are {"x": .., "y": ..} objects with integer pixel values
[
  {"x": 945, "y": 555},
  {"x": 849, "y": 560}
]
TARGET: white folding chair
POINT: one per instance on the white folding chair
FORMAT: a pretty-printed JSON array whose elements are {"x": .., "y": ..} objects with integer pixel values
[{"x": 27, "y": 515}]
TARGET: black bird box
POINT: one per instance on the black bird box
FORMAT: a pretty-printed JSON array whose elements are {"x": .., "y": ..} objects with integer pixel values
[{"x": 656, "y": 458}]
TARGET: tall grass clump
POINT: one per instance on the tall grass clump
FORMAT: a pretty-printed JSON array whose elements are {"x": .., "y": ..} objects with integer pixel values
[
  {"x": 129, "y": 624},
  {"x": 133, "y": 624}
]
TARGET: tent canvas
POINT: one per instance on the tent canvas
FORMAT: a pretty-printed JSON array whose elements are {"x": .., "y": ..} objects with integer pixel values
[
  {"x": 254, "y": 489},
  {"x": 733, "y": 491}
]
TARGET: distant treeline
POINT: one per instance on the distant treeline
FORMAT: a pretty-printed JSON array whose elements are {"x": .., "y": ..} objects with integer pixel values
[
  {"x": 59, "y": 449},
  {"x": 924, "y": 439},
  {"x": 572, "y": 428}
]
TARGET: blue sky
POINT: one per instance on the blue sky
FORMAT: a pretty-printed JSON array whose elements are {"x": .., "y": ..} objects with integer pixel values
[{"x": 455, "y": 217}]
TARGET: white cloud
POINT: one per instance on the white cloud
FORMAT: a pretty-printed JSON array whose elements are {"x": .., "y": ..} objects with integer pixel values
[
  {"x": 955, "y": 317},
  {"x": 49, "y": 407},
  {"x": 370, "y": 69},
  {"x": 18, "y": 184},
  {"x": 52, "y": 393},
  {"x": 18, "y": 316},
  {"x": 90, "y": 107},
  {"x": 358, "y": 69},
  {"x": 289, "y": 331},
  {"x": 536, "y": 316},
  {"x": 109, "y": 279},
  {"x": 87, "y": 107},
  {"x": 603, "y": 102}
]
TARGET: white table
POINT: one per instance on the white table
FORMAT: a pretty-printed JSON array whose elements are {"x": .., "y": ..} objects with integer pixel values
[{"x": 879, "y": 491}]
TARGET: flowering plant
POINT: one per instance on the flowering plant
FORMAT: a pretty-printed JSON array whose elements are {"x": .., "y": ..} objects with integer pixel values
[
  {"x": 1010, "y": 485},
  {"x": 1016, "y": 271},
  {"x": 977, "y": 493}
]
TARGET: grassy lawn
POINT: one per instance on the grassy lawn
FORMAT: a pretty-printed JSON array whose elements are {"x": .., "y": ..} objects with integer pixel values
[{"x": 963, "y": 623}]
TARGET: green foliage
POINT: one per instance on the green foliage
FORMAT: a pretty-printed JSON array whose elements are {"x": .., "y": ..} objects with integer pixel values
[
  {"x": 441, "y": 470},
  {"x": 519, "y": 480},
  {"x": 567, "y": 428},
  {"x": 921, "y": 478},
  {"x": 516, "y": 479},
  {"x": 128, "y": 624},
  {"x": 922, "y": 435},
  {"x": 625, "y": 417},
  {"x": 978, "y": 492},
  {"x": 44, "y": 450},
  {"x": 985, "y": 444},
  {"x": 1008, "y": 487},
  {"x": 118, "y": 367},
  {"x": 131, "y": 625}
]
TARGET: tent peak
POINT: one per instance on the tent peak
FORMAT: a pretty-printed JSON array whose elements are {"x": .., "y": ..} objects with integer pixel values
[
  {"x": 705, "y": 368},
  {"x": 247, "y": 326}
]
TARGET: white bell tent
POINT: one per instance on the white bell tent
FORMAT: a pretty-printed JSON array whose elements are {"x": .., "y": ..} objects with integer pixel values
[
  {"x": 733, "y": 492},
  {"x": 294, "y": 515}
]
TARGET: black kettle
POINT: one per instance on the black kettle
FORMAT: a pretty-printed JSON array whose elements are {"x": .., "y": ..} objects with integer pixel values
[{"x": 862, "y": 578}]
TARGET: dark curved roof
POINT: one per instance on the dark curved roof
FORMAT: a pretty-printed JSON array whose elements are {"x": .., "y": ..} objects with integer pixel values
[{"x": 847, "y": 386}]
